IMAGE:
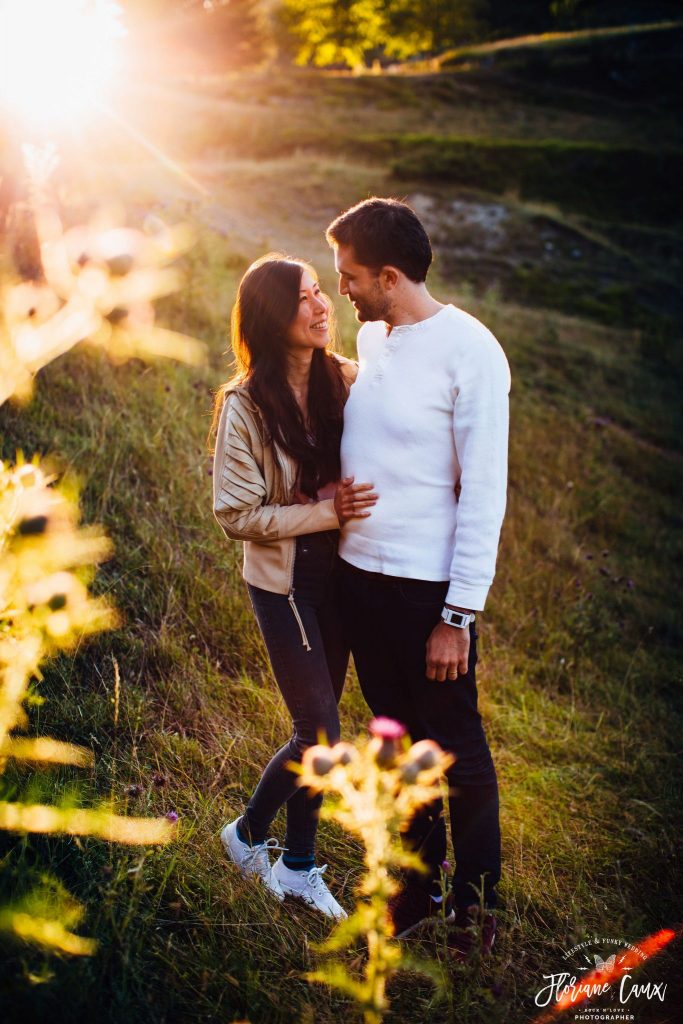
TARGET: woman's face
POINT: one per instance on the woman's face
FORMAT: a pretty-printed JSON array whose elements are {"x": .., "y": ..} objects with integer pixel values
[{"x": 308, "y": 329}]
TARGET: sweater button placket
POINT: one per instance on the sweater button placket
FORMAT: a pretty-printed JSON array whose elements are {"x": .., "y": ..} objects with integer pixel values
[{"x": 390, "y": 347}]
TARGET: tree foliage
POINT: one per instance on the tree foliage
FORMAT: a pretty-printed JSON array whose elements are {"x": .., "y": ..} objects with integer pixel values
[
  {"x": 357, "y": 32},
  {"x": 354, "y": 32}
]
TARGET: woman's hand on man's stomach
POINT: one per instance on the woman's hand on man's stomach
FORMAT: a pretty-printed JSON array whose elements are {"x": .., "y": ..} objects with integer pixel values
[{"x": 352, "y": 500}]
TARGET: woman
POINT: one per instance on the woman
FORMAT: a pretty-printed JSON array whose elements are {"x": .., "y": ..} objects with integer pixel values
[{"x": 276, "y": 487}]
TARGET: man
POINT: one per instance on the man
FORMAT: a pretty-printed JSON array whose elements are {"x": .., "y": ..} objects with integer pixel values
[{"x": 427, "y": 423}]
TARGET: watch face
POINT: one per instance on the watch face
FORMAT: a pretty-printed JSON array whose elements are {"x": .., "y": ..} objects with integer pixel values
[{"x": 458, "y": 619}]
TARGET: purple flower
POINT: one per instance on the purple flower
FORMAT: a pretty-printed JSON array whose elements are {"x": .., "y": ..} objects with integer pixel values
[
  {"x": 387, "y": 728},
  {"x": 445, "y": 865},
  {"x": 172, "y": 816}
]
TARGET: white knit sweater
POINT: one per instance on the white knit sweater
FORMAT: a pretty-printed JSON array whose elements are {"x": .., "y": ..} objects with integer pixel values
[{"x": 429, "y": 410}]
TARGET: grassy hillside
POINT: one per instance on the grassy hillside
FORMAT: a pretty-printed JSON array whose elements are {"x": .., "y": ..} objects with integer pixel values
[{"x": 579, "y": 669}]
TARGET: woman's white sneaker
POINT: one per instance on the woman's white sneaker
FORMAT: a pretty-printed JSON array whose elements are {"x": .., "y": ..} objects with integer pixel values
[
  {"x": 307, "y": 886},
  {"x": 252, "y": 861}
]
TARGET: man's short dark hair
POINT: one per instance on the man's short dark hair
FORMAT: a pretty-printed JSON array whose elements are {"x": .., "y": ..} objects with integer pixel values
[{"x": 384, "y": 232}]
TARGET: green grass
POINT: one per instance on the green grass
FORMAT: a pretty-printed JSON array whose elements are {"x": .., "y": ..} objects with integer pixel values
[
  {"x": 593, "y": 179},
  {"x": 578, "y": 680},
  {"x": 579, "y": 671}
]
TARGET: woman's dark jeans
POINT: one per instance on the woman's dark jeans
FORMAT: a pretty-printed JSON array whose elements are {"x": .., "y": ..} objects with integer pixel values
[
  {"x": 311, "y": 683},
  {"x": 389, "y": 620}
]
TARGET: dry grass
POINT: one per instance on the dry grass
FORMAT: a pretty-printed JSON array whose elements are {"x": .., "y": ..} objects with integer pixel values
[{"x": 579, "y": 677}]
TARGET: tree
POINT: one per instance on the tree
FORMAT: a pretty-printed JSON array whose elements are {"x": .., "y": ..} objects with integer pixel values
[{"x": 353, "y": 31}]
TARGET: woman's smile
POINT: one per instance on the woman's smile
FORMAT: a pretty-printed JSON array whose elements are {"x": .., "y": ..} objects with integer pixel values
[{"x": 309, "y": 328}]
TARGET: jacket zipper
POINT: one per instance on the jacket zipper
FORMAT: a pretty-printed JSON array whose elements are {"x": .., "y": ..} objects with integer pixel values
[
  {"x": 304, "y": 638},
  {"x": 290, "y": 595}
]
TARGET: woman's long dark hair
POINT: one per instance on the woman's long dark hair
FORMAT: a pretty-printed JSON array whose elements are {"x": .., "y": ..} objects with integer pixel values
[{"x": 266, "y": 305}]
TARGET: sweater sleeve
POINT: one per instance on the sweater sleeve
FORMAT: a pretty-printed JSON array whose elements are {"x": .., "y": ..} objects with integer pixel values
[
  {"x": 480, "y": 428},
  {"x": 239, "y": 491}
]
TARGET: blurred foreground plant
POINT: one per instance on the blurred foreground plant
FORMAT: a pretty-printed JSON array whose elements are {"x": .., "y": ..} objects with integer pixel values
[
  {"x": 374, "y": 790},
  {"x": 97, "y": 285},
  {"x": 46, "y": 562}
]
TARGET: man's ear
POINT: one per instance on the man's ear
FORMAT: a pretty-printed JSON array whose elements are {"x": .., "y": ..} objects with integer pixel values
[{"x": 389, "y": 277}]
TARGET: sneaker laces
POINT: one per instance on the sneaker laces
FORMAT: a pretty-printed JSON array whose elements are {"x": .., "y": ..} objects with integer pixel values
[
  {"x": 314, "y": 878},
  {"x": 256, "y": 858}
]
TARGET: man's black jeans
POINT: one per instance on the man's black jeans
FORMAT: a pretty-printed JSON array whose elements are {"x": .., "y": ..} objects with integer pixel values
[
  {"x": 388, "y": 621},
  {"x": 311, "y": 682}
]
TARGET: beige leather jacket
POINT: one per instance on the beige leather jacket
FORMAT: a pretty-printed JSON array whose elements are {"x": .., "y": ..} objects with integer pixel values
[{"x": 253, "y": 488}]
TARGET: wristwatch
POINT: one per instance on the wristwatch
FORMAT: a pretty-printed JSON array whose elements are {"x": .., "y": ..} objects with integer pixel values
[{"x": 460, "y": 620}]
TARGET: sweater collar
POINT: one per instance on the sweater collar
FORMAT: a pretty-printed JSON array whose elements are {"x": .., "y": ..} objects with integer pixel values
[{"x": 404, "y": 330}]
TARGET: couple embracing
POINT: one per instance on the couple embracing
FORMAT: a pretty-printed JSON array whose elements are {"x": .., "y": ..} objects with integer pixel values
[{"x": 369, "y": 498}]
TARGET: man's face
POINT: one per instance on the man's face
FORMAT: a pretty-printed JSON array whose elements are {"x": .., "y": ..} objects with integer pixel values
[{"x": 361, "y": 284}]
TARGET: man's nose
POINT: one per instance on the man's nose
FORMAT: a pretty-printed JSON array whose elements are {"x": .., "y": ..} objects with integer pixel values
[{"x": 343, "y": 287}]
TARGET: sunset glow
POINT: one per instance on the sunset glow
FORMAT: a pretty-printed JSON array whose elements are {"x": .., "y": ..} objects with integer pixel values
[{"x": 59, "y": 59}]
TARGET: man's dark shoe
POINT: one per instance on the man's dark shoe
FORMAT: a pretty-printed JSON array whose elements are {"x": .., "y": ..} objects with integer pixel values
[
  {"x": 412, "y": 908},
  {"x": 473, "y": 933}
]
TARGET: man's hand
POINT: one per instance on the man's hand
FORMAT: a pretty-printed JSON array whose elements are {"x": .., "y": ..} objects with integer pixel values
[{"x": 448, "y": 651}]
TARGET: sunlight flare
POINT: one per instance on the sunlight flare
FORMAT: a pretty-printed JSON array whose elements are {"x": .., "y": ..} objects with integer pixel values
[{"x": 59, "y": 59}]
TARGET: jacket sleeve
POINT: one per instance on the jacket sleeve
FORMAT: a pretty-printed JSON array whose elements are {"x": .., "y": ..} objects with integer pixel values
[
  {"x": 239, "y": 491},
  {"x": 349, "y": 368}
]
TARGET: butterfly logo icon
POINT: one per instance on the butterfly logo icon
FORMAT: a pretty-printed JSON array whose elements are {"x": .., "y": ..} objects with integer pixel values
[{"x": 604, "y": 966}]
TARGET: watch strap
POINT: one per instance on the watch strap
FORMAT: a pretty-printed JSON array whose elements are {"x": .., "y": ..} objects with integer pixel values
[{"x": 460, "y": 620}]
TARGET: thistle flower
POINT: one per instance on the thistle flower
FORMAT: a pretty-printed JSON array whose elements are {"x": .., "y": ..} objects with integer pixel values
[
  {"x": 384, "y": 746},
  {"x": 376, "y": 789},
  {"x": 425, "y": 754},
  {"x": 318, "y": 760},
  {"x": 344, "y": 753},
  {"x": 101, "y": 281},
  {"x": 387, "y": 728},
  {"x": 172, "y": 816}
]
